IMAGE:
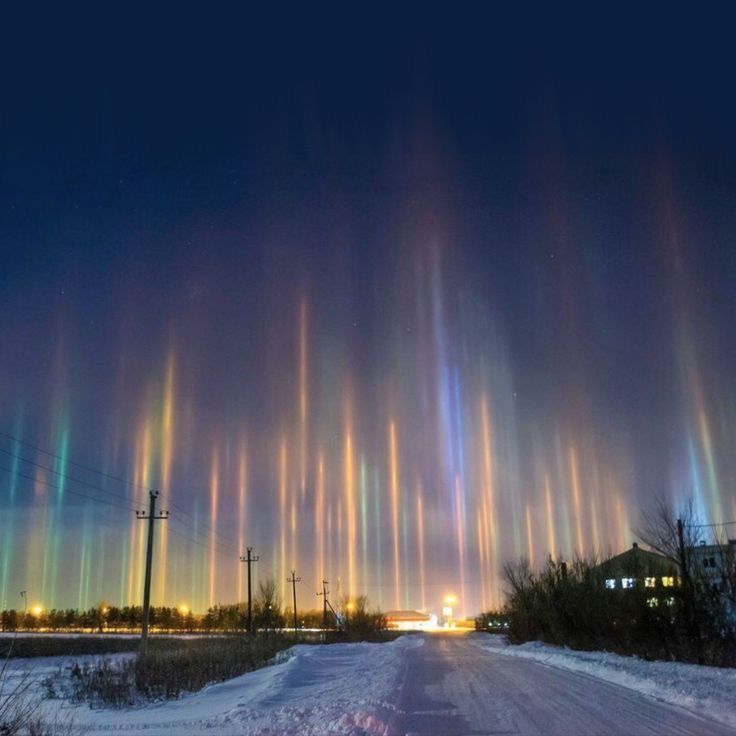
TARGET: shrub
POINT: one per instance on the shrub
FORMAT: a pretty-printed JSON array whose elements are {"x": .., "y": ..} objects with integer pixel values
[
  {"x": 55, "y": 646},
  {"x": 17, "y": 705},
  {"x": 358, "y": 623},
  {"x": 570, "y": 606},
  {"x": 170, "y": 668}
]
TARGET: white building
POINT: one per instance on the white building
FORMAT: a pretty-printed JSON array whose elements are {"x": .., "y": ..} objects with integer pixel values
[{"x": 411, "y": 621}]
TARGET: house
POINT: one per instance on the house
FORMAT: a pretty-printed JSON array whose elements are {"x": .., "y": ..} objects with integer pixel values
[
  {"x": 641, "y": 569},
  {"x": 410, "y": 621},
  {"x": 715, "y": 564}
]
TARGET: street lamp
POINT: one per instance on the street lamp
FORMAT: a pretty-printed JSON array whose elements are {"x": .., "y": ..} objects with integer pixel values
[{"x": 450, "y": 601}]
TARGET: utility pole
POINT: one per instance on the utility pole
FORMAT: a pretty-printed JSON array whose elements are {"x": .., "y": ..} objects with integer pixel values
[
  {"x": 152, "y": 516},
  {"x": 250, "y": 557},
  {"x": 325, "y": 603},
  {"x": 681, "y": 553},
  {"x": 294, "y": 580}
]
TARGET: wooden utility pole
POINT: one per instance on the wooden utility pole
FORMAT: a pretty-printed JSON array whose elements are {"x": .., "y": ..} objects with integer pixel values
[
  {"x": 249, "y": 558},
  {"x": 294, "y": 580},
  {"x": 152, "y": 516},
  {"x": 324, "y": 595}
]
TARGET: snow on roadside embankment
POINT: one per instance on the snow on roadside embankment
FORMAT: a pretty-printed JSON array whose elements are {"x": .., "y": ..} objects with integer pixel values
[
  {"x": 709, "y": 691},
  {"x": 336, "y": 689}
]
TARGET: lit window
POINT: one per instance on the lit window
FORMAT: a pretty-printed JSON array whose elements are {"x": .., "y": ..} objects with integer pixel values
[
  {"x": 668, "y": 581},
  {"x": 627, "y": 582},
  {"x": 650, "y": 582},
  {"x": 669, "y": 601},
  {"x": 652, "y": 602},
  {"x": 610, "y": 583}
]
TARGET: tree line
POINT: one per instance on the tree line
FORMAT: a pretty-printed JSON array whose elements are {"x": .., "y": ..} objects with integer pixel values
[{"x": 353, "y": 616}]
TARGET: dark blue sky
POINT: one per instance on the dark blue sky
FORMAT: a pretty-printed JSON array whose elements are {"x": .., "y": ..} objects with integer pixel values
[{"x": 536, "y": 209}]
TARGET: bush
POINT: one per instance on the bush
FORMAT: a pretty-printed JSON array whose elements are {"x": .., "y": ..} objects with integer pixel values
[
  {"x": 358, "y": 623},
  {"x": 17, "y": 704},
  {"x": 570, "y": 606},
  {"x": 102, "y": 683},
  {"x": 187, "y": 666},
  {"x": 56, "y": 646},
  {"x": 170, "y": 668}
]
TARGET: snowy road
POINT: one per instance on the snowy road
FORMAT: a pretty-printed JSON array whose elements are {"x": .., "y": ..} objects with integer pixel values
[
  {"x": 434, "y": 685},
  {"x": 450, "y": 686}
]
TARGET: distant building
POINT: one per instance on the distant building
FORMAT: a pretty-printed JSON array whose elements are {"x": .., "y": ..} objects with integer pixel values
[
  {"x": 715, "y": 564},
  {"x": 641, "y": 569},
  {"x": 410, "y": 620}
]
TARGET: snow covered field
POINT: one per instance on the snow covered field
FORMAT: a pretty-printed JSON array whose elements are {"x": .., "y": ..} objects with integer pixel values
[
  {"x": 710, "y": 691},
  {"x": 317, "y": 690},
  {"x": 433, "y": 684}
]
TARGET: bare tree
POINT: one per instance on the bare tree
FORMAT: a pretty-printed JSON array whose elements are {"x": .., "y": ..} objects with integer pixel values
[
  {"x": 670, "y": 534},
  {"x": 267, "y": 606}
]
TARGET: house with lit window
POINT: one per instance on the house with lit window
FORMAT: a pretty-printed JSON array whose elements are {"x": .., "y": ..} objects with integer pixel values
[
  {"x": 643, "y": 570},
  {"x": 713, "y": 567},
  {"x": 715, "y": 564}
]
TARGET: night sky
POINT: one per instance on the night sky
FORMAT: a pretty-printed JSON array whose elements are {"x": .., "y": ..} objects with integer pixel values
[{"x": 393, "y": 300}]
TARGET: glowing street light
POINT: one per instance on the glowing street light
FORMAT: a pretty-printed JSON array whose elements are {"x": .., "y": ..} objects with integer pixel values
[{"x": 450, "y": 601}]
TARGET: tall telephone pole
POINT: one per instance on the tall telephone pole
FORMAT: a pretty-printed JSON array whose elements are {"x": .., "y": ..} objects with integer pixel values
[
  {"x": 294, "y": 580},
  {"x": 324, "y": 595},
  {"x": 152, "y": 516},
  {"x": 249, "y": 558}
]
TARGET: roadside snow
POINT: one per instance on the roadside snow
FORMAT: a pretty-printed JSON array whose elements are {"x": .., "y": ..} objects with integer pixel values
[
  {"x": 708, "y": 691},
  {"x": 320, "y": 690}
]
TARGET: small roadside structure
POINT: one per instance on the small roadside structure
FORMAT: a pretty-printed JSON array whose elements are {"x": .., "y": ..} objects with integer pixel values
[{"x": 410, "y": 621}]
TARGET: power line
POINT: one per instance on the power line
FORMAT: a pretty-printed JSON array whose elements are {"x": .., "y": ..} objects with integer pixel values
[
  {"x": 207, "y": 539},
  {"x": 66, "y": 476},
  {"x": 118, "y": 479},
  {"x": 127, "y": 507},
  {"x": 66, "y": 490},
  {"x": 204, "y": 544},
  {"x": 72, "y": 462},
  {"x": 707, "y": 526}
]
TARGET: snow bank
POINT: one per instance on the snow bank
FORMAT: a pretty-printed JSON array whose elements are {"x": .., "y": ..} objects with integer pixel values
[
  {"x": 320, "y": 690},
  {"x": 708, "y": 691}
]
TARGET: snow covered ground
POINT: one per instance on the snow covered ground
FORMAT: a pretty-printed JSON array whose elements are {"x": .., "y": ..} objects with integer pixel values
[
  {"x": 443, "y": 685},
  {"x": 317, "y": 690},
  {"x": 710, "y": 691}
]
